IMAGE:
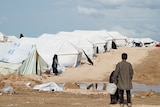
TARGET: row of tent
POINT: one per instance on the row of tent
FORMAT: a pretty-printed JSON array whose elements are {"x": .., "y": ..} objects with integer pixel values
[{"x": 28, "y": 55}]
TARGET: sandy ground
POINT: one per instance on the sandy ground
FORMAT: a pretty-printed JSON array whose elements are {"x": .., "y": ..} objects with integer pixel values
[{"x": 145, "y": 61}]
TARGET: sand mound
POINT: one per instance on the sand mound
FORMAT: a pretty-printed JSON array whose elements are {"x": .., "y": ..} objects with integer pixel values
[{"x": 71, "y": 86}]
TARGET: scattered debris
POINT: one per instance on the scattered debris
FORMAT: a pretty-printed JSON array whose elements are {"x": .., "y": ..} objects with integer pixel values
[{"x": 8, "y": 90}]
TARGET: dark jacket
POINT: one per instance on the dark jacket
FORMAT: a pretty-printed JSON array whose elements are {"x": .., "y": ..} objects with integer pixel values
[
  {"x": 123, "y": 75},
  {"x": 55, "y": 64},
  {"x": 111, "y": 77}
]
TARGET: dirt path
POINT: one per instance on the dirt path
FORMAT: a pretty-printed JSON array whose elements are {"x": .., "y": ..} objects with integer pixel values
[
  {"x": 62, "y": 99},
  {"x": 146, "y": 71}
]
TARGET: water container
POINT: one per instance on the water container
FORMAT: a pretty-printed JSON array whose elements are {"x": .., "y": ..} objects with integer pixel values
[{"x": 111, "y": 88}]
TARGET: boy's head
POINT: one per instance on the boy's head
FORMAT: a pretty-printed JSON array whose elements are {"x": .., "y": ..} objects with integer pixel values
[{"x": 124, "y": 56}]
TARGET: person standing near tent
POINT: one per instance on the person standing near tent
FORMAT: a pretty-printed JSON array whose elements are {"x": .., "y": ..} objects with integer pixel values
[
  {"x": 55, "y": 64},
  {"x": 124, "y": 72},
  {"x": 114, "y": 46}
]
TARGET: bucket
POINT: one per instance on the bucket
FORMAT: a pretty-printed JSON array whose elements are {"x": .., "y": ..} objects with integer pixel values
[{"x": 111, "y": 88}]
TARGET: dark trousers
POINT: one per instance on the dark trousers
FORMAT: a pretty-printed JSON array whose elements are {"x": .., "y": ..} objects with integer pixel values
[
  {"x": 114, "y": 98},
  {"x": 55, "y": 71},
  {"x": 121, "y": 96}
]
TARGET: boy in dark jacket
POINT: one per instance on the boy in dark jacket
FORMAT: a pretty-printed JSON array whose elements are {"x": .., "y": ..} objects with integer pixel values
[{"x": 115, "y": 97}]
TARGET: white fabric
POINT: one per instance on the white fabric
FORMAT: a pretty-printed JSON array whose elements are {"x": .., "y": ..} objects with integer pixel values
[
  {"x": 93, "y": 37},
  {"x": 80, "y": 42},
  {"x": 68, "y": 54},
  {"x": 14, "y": 52},
  {"x": 8, "y": 68},
  {"x": 12, "y": 38},
  {"x": 20, "y": 58},
  {"x": 118, "y": 38},
  {"x": 1, "y": 36},
  {"x": 47, "y": 46},
  {"x": 51, "y": 86},
  {"x": 151, "y": 43}
]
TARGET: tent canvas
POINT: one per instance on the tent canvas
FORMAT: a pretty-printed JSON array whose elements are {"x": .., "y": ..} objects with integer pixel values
[
  {"x": 146, "y": 42},
  {"x": 105, "y": 36},
  {"x": 20, "y": 58},
  {"x": 11, "y": 38},
  {"x": 118, "y": 38},
  {"x": 80, "y": 42},
  {"x": 98, "y": 42},
  {"x": 47, "y": 46},
  {"x": 3, "y": 38}
]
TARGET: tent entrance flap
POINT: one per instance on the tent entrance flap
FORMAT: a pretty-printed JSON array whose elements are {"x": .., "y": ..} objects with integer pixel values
[
  {"x": 89, "y": 60},
  {"x": 24, "y": 60},
  {"x": 34, "y": 64}
]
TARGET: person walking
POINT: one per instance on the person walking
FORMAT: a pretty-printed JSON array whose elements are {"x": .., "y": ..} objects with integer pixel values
[{"x": 123, "y": 78}]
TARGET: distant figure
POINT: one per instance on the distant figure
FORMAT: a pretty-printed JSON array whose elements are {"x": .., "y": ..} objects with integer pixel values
[
  {"x": 105, "y": 47},
  {"x": 113, "y": 98},
  {"x": 122, "y": 76},
  {"x": 55, "y": 64},
  {"x": 114, "y": 46},
  {"x": 21, "y": 35},
  {"x": 97, "y": 50}
]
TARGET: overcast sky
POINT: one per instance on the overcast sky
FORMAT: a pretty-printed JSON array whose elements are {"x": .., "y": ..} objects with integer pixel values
[{"x": 132, "y": 18}]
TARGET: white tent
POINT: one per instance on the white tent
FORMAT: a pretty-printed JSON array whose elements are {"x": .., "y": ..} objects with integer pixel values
[
  {"x": 105, "y": 36},
  {"x": 145, "y": 42},
  {"x": 133, "y": 41},
  {"x": 91, "y": 36},
  {"x": 11, "y": 38},
  {"x": 119, "y": 39},
  {"x": 3, "y": 37},
  {"x": 80, "y": 42},
  {"x": 20, "y": 58},
  {"x": 102, "y": 34},
  {"x": 47, "y": 46},
  {"x": 148, "y": 42}
]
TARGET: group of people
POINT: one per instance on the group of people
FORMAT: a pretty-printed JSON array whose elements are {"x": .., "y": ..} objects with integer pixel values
[{"x": 122, "y": 77}]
